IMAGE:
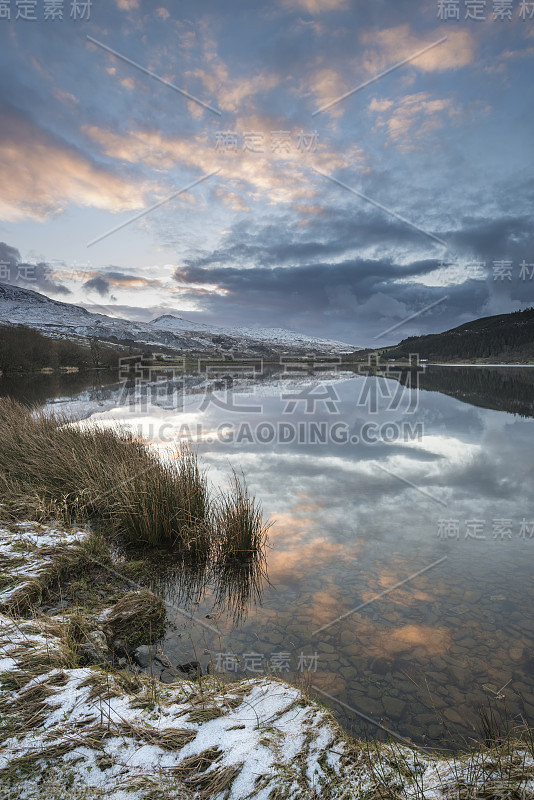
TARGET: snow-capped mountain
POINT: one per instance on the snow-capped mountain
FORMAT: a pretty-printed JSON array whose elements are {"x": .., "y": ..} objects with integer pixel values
[
  {"x": 273, "y": 336},
  {"x": 169, "y": 332}
]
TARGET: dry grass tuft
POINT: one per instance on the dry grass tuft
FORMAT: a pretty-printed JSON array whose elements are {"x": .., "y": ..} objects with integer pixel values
[
  {"x": 200, "y": 715},
  {"x": 30, "y": 762},
  {"x": 215, "y": 782},
  {"x": 38, "y": 661},
  {"x": 137, "y": 617},
  {"x": 167, "y": 738},
  {"x": 242, "y": 534},
  {"x": 197, "y": 763},
  {"x": 61, "y": 560},
  {"x": 70, "y": 472},
  {"x": 30, "y": 705}
]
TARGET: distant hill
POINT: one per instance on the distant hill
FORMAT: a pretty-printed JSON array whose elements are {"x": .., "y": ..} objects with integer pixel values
[
  {"x": 169, "y": 333},
  {"x": 504, "y": 337}
]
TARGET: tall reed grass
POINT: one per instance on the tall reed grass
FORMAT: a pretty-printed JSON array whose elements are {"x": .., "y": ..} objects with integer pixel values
[
  {"x": 95, "y": 472},
  {"x": 241, "y": 532}
]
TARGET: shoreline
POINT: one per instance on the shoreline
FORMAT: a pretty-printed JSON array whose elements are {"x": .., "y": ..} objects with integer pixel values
[
  {"x": 348, "y": 366},
  {"x": 76, "y": 726}
]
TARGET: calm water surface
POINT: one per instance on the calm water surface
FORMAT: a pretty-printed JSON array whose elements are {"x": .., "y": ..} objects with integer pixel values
[{"x": 447, "y": 494}]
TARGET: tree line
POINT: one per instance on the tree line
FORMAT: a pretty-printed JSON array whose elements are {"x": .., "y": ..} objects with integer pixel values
[
  {"x": 23, "y": 349},
  {"x": 505, "y": 336}
]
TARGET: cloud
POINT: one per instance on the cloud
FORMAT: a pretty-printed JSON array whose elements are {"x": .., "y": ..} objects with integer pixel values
[
  {"x": 351, "y": 300},
  {"x": 233, "y": 94},
  {"x": 104, "y": 281},
  {"x": 315, "y": 279},
  {"x": 330, "y": 233},
  {"x": 329, "y": 78},
  {"x": 492, "y": 239},
  {"x": 380, "y": 105},
  {"x": 42, "y": 174},
  {"x": 66, "y": 97},
  {"x": 388, "y": 46},
  {"x": 327, "y": 84},
  {"x": 98, "y": 284},
  {"x": 39, "y": 276},
  {"x": 414, "y": 117},
  {"x": 276, "y": 176},
  {"x": 232, "y": 199},
  {"x": 315, "y": 6}
]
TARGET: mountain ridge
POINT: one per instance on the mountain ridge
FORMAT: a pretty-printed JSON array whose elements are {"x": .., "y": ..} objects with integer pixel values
[{"x": 19, "y": 306}]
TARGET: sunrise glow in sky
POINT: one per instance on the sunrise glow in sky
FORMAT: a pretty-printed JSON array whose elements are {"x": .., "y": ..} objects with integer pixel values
[{"x": 337, "y": 219}]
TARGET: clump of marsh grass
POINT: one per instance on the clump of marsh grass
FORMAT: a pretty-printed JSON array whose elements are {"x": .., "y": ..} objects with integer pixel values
[
  {"x": 167, "y": 738},
  {"x": 242, "y": 533},
  {"x": 68, "y": 472},
  {"x": 199, "y": 762},
  {"x": 137, "y": 617},
  {"x": 80, "y": 472}
]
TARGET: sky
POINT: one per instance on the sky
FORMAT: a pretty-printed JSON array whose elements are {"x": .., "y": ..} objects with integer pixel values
[{"x": 349, "y": 169}]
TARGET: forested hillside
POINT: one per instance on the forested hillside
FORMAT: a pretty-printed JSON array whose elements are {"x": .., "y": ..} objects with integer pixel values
[{"x": 505, "y": 337}]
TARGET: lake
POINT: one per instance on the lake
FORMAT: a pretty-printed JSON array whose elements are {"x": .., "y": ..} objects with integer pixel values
[{"x": 398, "y": 580}]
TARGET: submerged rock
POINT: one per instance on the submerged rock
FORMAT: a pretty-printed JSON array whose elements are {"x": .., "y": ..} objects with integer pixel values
[
  {"x": 95, "y": 649},
  {"x": 191, "y": 668},
  {"x": 144, "y": 655},
  {"x": 170, "y": 675}
]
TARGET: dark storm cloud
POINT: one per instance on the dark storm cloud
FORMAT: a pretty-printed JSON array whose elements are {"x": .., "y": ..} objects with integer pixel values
[
  {"x": 107, "y": 279},
  {"x": 333, "y": 234},
  {"x": 98, "y": 284},
  {"x": 352, "y": 301},
  {"x": 321, "y": 287},
  {"x": 307, "y": 284},
  {"x": 495, "y": 239},
  {"x": 39, "y": 276}
]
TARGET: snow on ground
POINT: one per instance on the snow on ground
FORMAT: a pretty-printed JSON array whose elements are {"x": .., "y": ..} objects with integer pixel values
[
  {"x": 85, "y": 732},
  {"x": 28, "y": 555},
  {"x": 117, "y": 732}
]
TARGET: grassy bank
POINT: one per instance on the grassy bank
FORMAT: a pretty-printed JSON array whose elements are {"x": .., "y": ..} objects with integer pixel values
[
  {"x": 65, "y": 471},
  {"x": 70, "y": 729},
  {"x": 77, "y": 722}
]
